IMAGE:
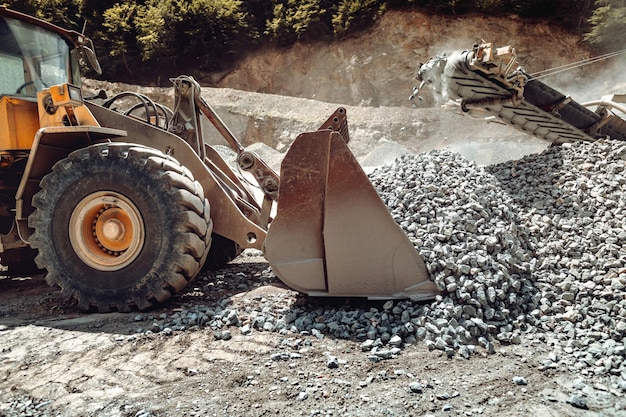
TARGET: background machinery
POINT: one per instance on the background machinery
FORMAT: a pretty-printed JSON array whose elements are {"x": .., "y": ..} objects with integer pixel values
[{"x": 488, "y": 82}]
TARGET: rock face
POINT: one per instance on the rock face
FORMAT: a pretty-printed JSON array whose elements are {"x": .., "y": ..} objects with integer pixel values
[{"x": 378, "y": 67}]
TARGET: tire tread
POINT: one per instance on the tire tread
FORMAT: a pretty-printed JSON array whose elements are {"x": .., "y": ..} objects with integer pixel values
[{"x": 193, "y": 231}]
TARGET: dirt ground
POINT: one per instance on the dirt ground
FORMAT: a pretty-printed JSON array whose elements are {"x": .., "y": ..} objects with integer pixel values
[{"x": 57, "y": 361}]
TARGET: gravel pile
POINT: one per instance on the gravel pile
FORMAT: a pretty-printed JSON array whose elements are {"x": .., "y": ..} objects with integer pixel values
[
  {"x": 530, "y": 251},
  {"x": 572, "y": 203},
  {"x": 534, "y": 247}
]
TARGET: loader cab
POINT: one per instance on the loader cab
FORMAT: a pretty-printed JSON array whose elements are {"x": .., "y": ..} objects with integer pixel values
[{"x": 33, "y": 57}]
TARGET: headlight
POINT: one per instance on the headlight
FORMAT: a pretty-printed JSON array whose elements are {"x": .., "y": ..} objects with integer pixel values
[{"x": 66, "y": 94}]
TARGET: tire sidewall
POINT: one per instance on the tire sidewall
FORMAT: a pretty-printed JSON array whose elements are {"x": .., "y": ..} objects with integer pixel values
[{"x": 143, "y": 187}]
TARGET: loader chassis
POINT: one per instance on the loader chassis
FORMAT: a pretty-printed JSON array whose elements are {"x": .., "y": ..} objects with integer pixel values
[{"x": 25, "y": 69}]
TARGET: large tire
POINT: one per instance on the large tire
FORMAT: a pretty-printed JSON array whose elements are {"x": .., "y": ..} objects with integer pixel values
[{"x": 120, "y": 225}]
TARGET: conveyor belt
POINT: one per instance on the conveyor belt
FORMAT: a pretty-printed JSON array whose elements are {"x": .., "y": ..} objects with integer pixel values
[
  {"x": 515, "y": 98},
  {"x": 543, "y": 96}
]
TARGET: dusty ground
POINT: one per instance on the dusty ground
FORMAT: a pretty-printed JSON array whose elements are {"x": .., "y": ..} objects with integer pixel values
[{"x": 55, "y": 360}]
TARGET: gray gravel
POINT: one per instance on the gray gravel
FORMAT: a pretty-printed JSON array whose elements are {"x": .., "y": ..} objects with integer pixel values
[
  {"x": 531, "y": 251},
  {"x": 534, "y": 248},
  {"x": 23, "y": 405}
]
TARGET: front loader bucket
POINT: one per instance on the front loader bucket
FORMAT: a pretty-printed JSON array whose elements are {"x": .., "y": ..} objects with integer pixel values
[{"x": 332, "y": 234}]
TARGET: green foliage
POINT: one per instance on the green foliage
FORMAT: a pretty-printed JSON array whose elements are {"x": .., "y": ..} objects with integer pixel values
[
  {"x": 119, "y": 36},
  {"x": 154, "y": 29},
  {"x": 259, "y": 11},
  {"x": 64, "y": 13},
  {"x": 219, "y": 27},
  {"x": 355, "y": 15},
  {"x": 608, "y": 26},
  {"x": 152, "y": 38},
  {"x": 295, "y": 20},
  {"x": 204, "y": 32}
]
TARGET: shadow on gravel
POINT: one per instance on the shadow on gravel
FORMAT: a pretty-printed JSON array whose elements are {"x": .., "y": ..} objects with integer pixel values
[
  {"x": 534, "y": 182},
  {"x": 26, "y": 301},
  {"x": 30, "y": 297},
  {"x": 243, "y": 295}
]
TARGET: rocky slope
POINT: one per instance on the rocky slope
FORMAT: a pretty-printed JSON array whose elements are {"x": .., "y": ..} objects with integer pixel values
[{"x": 377, "y": 68}]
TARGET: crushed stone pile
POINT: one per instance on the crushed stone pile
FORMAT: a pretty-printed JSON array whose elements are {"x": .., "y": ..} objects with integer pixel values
[
  {"x": 529, "y": 251},
  {"x": 533, "y": 247},
  {"x": 466, "y": 229},
  {"x": 572, "y": 203}
]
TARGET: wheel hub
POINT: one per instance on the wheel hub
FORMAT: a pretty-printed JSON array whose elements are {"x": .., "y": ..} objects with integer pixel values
[
  {"x": 106, "y": 231},
  {"x": 113, "y": 230}
]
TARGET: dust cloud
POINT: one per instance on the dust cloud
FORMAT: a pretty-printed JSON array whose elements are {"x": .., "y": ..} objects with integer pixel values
[{"x": 592, "y": 81}]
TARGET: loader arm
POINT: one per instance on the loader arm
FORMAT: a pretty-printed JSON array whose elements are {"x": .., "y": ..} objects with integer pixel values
[
  {"x": 186, "y": 123},
  {"x": 331, "y": 235}
]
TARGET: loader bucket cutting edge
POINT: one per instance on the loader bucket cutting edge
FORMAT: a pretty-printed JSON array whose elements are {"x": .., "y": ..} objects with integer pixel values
[{"x": 332, "y": 234}]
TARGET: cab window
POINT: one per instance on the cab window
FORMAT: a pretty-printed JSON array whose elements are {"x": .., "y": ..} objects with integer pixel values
[{"x": 32, "y": 57}]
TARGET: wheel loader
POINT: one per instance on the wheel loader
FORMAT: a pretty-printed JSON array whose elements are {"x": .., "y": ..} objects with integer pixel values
[{"x": 121, "y": 206}]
